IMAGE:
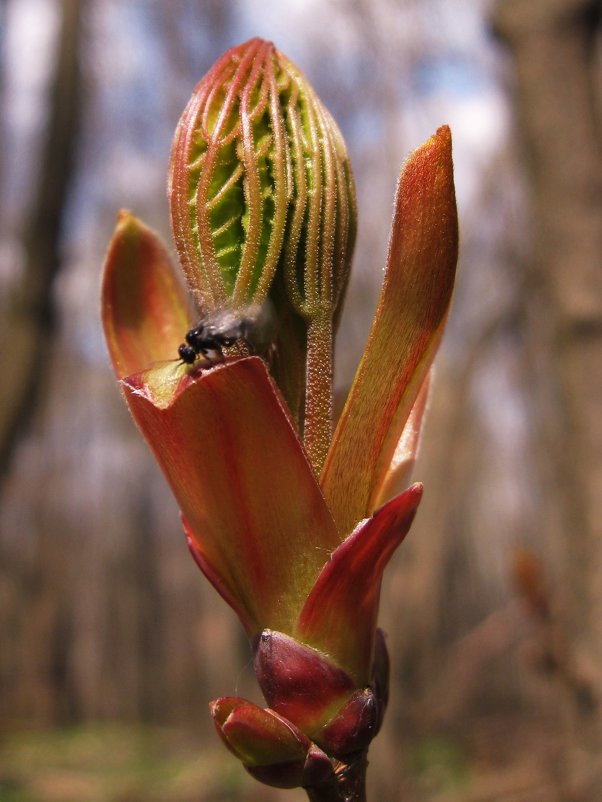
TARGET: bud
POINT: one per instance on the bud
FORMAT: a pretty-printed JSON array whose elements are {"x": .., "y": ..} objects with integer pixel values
[
  {"x": 271, "y": 748},
  {"x": 260, "y": 182},
  {"x": 299, "y": 682},
  {"x": 317, "y": 696},
  {"x": 259, "y": 175},
  {"x": 353, "y": 727}
]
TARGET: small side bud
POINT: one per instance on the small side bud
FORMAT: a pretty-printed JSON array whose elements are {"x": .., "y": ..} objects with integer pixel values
[
  {"x": 271, "y": 748},
  {"x": 353, "y": 727},
  {"x": 321, "y": 699},
  {"x": 317, "y": 770},
  {"x": 299, "y": 682}
]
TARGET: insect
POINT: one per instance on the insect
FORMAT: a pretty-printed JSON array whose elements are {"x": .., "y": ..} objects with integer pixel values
[{"x": 214, "y": 332}]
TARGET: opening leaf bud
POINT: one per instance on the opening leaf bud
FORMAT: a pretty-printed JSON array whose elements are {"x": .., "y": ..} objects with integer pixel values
[
  {"x": 260, "y": 185},
  {"x": 259, "y": 176}
]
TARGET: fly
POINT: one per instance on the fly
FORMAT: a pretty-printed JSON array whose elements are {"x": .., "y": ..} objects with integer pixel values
[{"x": 214, "y": 332}]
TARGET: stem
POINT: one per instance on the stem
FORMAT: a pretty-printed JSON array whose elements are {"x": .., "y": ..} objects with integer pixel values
[
  {"x": 349, "y": 784},
  {"x": 317, "y": 432}
]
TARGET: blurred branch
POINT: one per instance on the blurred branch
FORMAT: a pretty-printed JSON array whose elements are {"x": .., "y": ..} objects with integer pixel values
[{"x": 28, "y": 327}]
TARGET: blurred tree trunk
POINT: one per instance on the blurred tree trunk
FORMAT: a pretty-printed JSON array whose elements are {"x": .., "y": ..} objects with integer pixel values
[
  {"x": 26, "y": 339},
  {"x": 553, "y": 43},
  {"x": 27, "y": 328}
]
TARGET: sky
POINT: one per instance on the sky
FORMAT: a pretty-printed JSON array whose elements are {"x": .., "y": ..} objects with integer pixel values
[{"x": 453, "y": 78}]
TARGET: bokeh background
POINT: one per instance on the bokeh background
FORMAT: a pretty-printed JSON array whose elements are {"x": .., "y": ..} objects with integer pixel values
[{"x": 111, "y": 642}]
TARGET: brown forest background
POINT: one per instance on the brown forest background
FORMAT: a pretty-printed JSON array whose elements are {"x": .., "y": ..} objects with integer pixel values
[{"x": 493, "y": 606}]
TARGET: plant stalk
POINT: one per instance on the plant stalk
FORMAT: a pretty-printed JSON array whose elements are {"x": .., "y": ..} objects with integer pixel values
[
  {"x": 349, "y": 784},
  {"x": 318, "y": 390}
]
